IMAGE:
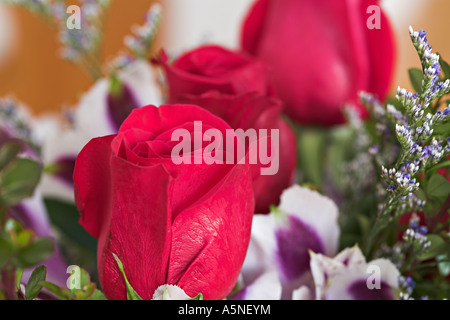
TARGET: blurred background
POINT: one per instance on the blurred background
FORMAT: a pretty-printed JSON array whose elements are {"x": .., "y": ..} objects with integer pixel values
[{"x": 31, "y": 70}]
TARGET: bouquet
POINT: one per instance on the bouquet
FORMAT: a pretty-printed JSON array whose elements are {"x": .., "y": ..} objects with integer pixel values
[{"x": 280, "y": 171}]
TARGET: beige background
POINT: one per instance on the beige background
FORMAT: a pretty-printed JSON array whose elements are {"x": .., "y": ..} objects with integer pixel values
[{"x": 31, "y": 70}]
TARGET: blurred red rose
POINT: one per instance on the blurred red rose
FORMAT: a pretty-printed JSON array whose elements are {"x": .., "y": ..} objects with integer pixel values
[
  {"x": 187, "y": 225},
  {"x": 236, "y": 87},
  {"x": 215, "y": 68},
  {"x": 321, "y": 54}
]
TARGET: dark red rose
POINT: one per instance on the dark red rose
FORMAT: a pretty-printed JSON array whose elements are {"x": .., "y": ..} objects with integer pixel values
[
  {"x": 215, "y": 68},
  {"x": 236, "y": 87},
  {"x": 254, "y": 111},
  {"x": 186, "y": 225},
  {"x": 321, "y": 54}
]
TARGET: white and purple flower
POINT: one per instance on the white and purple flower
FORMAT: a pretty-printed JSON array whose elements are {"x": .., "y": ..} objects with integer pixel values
[
  {"x": 349, "y": 277},
  {"x": 278, "y": 255},
  {"x": 100, "y": 112}
]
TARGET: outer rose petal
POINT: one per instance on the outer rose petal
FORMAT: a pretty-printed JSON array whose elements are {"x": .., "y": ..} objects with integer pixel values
[
  {"x": 268, "y": 189},
  {"x": 211, "y": 237},
  {"x": 382, "y": 57},
  {"x": 254, "y": 26},
  {"x": 92, "y": 184},
  {"x": 139, "y": 230},
  {"x": 166, "y": 117}
]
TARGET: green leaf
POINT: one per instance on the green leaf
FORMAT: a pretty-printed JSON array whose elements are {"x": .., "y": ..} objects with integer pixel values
[
  {"x": 364, "y": 224},
  {"x": 85, "y": 278},
  {"x": 25, "y": 237},
  {"x": 311, "y": 145},
  {"x": 6, "y": 250},
  {"x": 444, "y": 266},
  {"x": 65, "y": 216},
  {"x": 19, "y": 181},
  {"x": 438, "y": 186},
  {"x": 98, "y": 295},
  {"x": 35, "y": 253},
  {"x": 58, "y": 292},
  {"x": 443, "y": 164},
  {"x": 8, "y": 152},
  {"x": 19, "y": 274},
  {"x": 437, "y": 245},
  {"x": 444, "y": 66},
  {"x": 34, "y": 285},
  {"x": 131, "y": 294},
  {"x": 416, "y": 77},
  {"x": 197, "y": 297}
]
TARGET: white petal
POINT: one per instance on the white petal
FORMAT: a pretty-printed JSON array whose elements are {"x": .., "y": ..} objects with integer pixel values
[
  {"x": 389, "y": 272},
  {"x": 141, "y": 77},
  {"x": 302, "y": 293},
  {"x": 57, "y": 142},
  {"x": 265, "y": 287},
  {"x": 260, "y": 253},
  {"x": 92, "y": 114},
  {"x": 322, "y": 269},
  {"x": 317, "y": 211},
  {"x": 170, "y": 292},
  {"x": 338, "y": 286},
  {"x": 351, "y": 256}
]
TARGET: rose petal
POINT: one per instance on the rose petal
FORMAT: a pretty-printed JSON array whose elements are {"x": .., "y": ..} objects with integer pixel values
[
  {"x": 141, "y": 236},
  {"x": 206, "y": 233},
  {"x": 92, "y": 184}
]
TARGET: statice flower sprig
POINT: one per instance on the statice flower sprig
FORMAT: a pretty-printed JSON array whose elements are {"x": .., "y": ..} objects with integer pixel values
[
  {"x": 79, "y": 46},
  {"x": 141, "y": 40},
  {"x": 418, "y": 129},
  {"x": 82, "y": 46}
]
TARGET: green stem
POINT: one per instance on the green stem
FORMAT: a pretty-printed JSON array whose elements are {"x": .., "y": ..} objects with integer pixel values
[{"x": 440, "y": 214}]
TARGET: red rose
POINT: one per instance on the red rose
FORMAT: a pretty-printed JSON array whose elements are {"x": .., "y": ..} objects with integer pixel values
[
  {"x": 215, "y": 68},
  {"x": 258, "y": 112},
  {"x": 187, "y": 225},
  {"x": 236, "y": 87},
  {"x": 321, "y": 54}
]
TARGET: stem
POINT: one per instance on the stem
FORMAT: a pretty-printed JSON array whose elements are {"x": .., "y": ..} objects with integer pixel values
[
  {"x": 438, "y": 217},
  {"x": 8, "y": 283}
]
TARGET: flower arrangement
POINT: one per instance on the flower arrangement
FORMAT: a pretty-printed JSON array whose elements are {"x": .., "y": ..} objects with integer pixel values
[{"x": 94, "y": 207}]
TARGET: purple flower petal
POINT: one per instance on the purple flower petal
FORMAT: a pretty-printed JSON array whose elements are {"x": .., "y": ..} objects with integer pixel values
[
  {"x": 359, "y": 291},
  {"x": 120, "y": 106},
  {"x": 64, "y": 169},
  {"x": 293, "y": 244}
]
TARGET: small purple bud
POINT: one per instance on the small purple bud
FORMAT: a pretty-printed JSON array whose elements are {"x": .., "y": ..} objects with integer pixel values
[{"x": 423, "y": 230}]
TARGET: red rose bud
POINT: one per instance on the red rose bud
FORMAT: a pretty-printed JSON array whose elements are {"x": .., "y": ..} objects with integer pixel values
[
  {"x": 321, "y": 54},
  {"x": 186, "y": 225},
  {"x": 254, "y": 111},
  {"x": 215, "y": 68}
]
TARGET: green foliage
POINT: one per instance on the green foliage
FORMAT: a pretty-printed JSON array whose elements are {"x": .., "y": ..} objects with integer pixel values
[
  {"x": 416, "y": 78},
  {"x": 81, "y": 287},
  {"x": 34, "y": 285},
  {"x": 131, "y": 293}
]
